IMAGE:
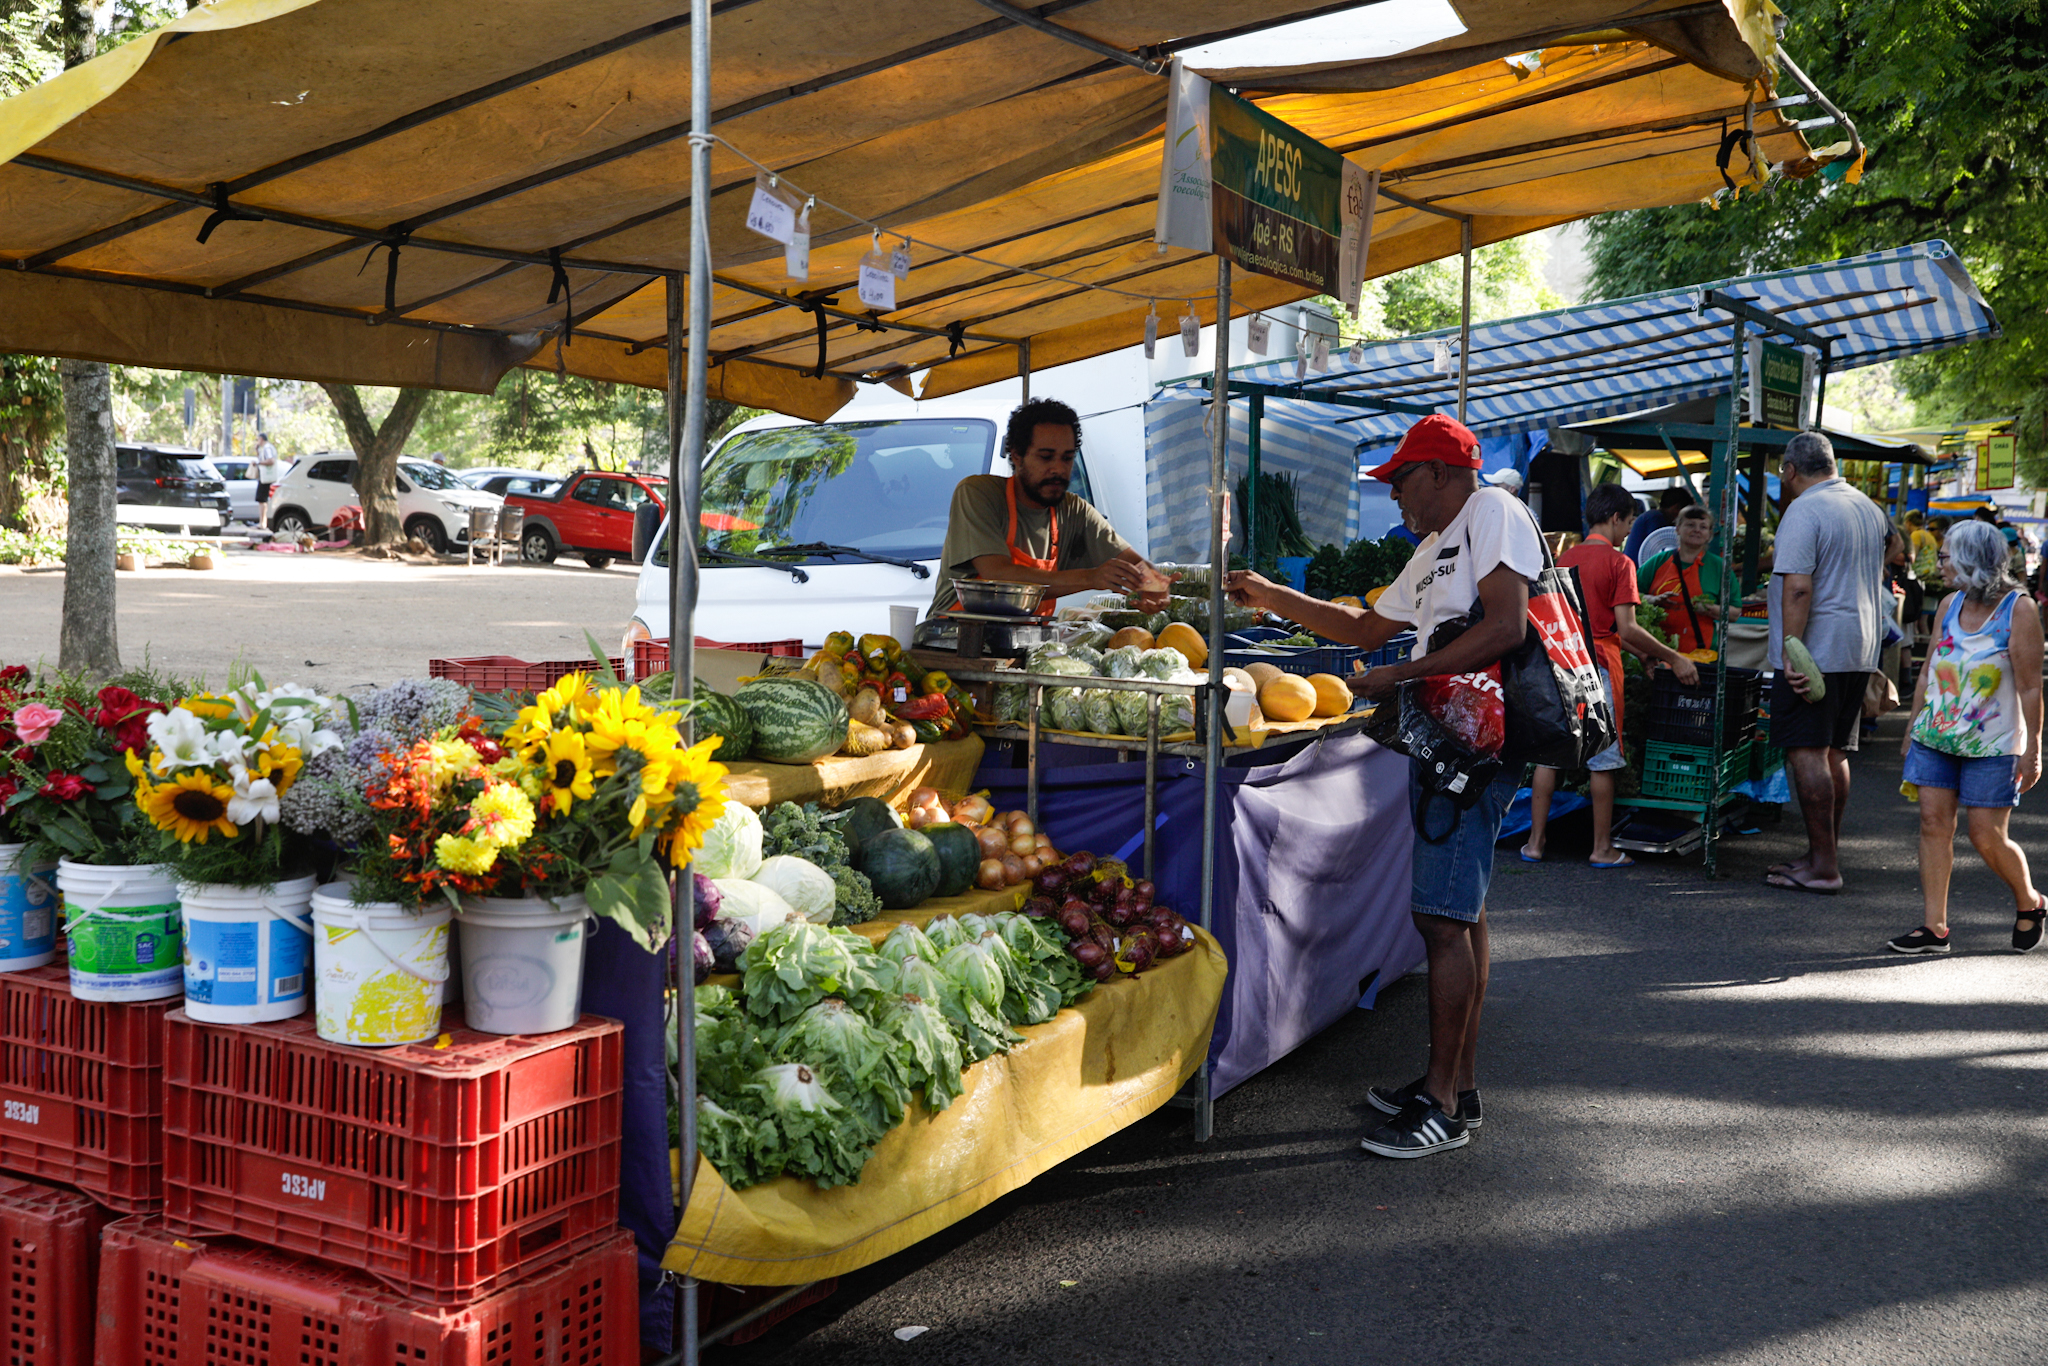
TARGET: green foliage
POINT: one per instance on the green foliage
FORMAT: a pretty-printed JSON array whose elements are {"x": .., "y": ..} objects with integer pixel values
[
  {"x": 1953, "y": 103},
  {"x": 1278, "y": 529},
  {"x": 1356, "y": 569}
]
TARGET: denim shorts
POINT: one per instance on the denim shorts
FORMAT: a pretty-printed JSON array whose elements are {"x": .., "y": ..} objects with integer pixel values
[
  {"x": 1990, "y": 781},
  {"x": 1451, "y": 875}
]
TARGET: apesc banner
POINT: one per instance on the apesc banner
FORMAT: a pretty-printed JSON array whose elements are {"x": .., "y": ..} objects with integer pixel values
[{"x": 1238, "y": 182}]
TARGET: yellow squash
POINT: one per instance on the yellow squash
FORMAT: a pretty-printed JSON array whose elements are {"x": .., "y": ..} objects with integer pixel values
[
  {"x": 1185, "y": 638},
  {"x": 1287, "y": 698}
]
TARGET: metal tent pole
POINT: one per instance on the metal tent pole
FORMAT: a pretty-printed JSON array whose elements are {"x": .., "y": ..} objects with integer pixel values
[
  {"x": 1254, "y": 418},
  {"x": 1212, "y": 767},
  {"x": 1464, "y": 310},
  {"x": 1024, "y": 377},
  {"x": 1726, "y": 462},
  {"x": 685, "y": 503}
]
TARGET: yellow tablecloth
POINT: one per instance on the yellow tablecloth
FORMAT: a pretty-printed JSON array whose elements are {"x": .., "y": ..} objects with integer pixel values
[
  {"x": 1108, "y": 1061},
  {"x": 891, "y": 775}
]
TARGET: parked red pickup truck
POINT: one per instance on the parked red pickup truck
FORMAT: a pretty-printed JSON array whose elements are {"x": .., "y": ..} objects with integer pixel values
[{"x": 590, "y": 513}]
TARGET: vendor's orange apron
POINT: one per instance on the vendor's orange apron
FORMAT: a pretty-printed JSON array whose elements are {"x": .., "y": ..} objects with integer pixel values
[{"x": 1018, "y": 557}]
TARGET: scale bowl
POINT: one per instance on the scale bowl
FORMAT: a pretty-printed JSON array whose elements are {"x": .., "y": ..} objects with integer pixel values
[{"x": 999, "y": 599}]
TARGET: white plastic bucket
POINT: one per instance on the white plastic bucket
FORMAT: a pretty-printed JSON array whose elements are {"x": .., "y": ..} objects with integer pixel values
[
  {"x": 248, "y": 952},
  {"x": 522, "y": 963},
  {"x": 124, "y": 931},
  {"x": 378, "y": 970},
  {"x": 28, "y": 912}
]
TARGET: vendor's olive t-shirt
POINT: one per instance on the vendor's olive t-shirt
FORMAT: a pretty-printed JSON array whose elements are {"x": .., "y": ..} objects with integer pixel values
[{"x": 979, "y": 525}]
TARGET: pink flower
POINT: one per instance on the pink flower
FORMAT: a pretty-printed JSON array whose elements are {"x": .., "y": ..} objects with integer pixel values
[{"x": 35, "y": 721}]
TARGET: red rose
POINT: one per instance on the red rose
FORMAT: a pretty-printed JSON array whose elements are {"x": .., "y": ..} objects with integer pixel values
[
  {"x": 7, "y": 787},
  {"x": 132, "y": 736},
  {"x": 66, "y": 787}
]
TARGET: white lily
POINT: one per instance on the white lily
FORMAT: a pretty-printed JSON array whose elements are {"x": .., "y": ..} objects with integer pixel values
[
  {"x": 255, "y": 799},
  {"x": 181, "y": 737}
]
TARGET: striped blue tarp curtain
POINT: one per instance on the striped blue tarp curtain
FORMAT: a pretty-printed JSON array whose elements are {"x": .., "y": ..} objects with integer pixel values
[
  {"x": 1302, "y": 444},
  {"x": 1627, "y": 355}
]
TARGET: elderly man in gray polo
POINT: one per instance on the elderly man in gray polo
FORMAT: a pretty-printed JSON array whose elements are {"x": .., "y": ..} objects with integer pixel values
[{"x": 1827, "y": 589}]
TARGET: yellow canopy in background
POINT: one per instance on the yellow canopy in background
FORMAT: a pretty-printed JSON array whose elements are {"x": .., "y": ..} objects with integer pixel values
[{"x": 430, "y": 192}]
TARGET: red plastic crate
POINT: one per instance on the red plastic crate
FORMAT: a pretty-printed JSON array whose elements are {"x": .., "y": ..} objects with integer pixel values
[
  {"x": 503, "y": 673},
  {"x": 82, "y": 1089},
  {"x": 165, "y": 1301},
  {"x": 448, "y": 1170},
  {"x": 651, "y": 656},
  {"x": 718, "y": 1305},
  {"x": 51, "y": 1239}
]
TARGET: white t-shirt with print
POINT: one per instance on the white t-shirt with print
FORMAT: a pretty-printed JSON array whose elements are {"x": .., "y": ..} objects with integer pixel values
[{"x": 1441, "y": 580}]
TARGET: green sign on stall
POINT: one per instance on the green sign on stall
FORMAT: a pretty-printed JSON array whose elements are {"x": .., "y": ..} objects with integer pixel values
[{"x": 1778, "y": 381}]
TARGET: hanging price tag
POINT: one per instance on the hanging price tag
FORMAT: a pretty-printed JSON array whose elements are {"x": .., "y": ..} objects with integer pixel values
[
  {"x": 1356, "y": 355},
  {"x": 877, "y": 283},
  {"x": 1191, "y": 332},
  {"x": 899, "y": 261},
  {"x": 796, "y": 253},
  {"x": 1151, "y": 333},
  {"x": 1301, "y": 365},
  {"x": 1257, "y": 329},
  {"x": 1320, "y": 357},
  {"x": 770, "y": 214},
  {"x": 1442, "y": 363}
]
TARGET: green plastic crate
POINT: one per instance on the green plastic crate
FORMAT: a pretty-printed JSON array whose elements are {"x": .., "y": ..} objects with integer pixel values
[{"x": 1684, "y": 773}]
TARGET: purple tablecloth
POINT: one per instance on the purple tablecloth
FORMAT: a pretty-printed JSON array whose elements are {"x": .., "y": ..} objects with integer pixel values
[{"x": 1312, "y": 878}]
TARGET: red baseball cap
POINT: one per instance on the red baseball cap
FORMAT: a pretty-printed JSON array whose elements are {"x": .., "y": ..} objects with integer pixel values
[{"x": 1436, "y": 437}]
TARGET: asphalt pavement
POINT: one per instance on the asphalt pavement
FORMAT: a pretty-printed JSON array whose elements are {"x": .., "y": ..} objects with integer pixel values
[{"x": 1723, "y": 1124}]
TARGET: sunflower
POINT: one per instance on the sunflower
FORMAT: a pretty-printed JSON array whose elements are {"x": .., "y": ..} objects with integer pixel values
[
  {"x": 280, "y": 763},
  {"x": 565, "y": 765},
  {"x": 697, "y": 798},
  {"x": 620, "y": 722},
  {"x": 191, "y": 806},
  {"x": 571, "y": 693},
  {"x": 210, "y": 706}
]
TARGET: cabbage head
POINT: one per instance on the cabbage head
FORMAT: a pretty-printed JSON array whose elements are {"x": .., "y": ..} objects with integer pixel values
[
  {"x": 807, "y": 888},
  {"x": 757, "y": 907},
  {"x": 732, "y": 847}
]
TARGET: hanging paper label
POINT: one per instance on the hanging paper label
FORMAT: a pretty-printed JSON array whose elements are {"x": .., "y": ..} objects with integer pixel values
[
  {"x": 1442, "y": 362},
  {"x": 1301, "y": 365},
  {"x": 770, "y": 214},
  {"x": 1191, "y": 334},
  {"x": 1361, "y": 196},
  {"x": 1356, "y": 355},
  {"x": 1256, "y": 330},
  {"x": 899, "y": 261},
  {"x": 1184, "y": 215},
  {"x": 796, "y": 256},
  {"x": 1320, "y": 356},
  {"x": 877, "y": 283},
  {"x": 1151, "y": 334}
]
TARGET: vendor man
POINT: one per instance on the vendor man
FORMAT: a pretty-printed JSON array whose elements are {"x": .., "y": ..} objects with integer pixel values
[{"x": 1028, "y": 529}]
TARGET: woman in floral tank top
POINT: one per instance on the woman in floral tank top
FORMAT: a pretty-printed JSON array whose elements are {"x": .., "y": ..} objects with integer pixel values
[{"x": 1975, "y": 740}]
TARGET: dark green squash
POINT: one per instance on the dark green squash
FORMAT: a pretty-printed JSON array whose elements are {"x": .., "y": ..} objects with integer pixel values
[
  {"x": 959, "y": 856},
  {"x": 903, "y": 866},
  {"x": 866, "y": 817}
]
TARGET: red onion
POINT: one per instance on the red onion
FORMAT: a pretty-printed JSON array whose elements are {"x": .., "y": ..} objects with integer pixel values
[
  {"x": 1145, "y": 890},
  {"x": 1081, "y": 864},
  {"x": 1074, "y": 921},
  {"x": 1051, "y": 881},
  {"x": 1090, "y": 954},
  {"x": 1041, "y": 907},
  {"x": 1104, "y": 971}
]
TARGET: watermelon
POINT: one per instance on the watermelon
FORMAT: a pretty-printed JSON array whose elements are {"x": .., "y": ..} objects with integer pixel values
[
  {"x": 959, "y": 856},
  {"x": 866, "y": 817},
  {"x": 719, "y": 715},
  {"x": 903, "y": 866},
  {"x": 795, "y": 720}
]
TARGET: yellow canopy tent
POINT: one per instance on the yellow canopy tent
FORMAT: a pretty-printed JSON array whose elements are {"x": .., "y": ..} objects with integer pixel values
[{"x": 422, "y": 192}]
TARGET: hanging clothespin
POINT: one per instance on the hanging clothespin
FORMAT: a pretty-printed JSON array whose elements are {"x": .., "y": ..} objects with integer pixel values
[
  {"x": 1151, "y": 329},
  {"x": 559, "y": 288}
]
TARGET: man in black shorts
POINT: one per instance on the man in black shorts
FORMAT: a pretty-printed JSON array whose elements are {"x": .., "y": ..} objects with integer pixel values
[{"x": 1828, "y": 591}]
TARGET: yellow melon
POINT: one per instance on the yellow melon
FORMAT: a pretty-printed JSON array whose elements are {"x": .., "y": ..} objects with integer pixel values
[
  {"x": 1185, "y": 638},
  {"x": 1131, "y": 635},
  {"x": 1262, "y": 674},
  {"x": 1287, "y": 698},
  {"x": 1238, "y": 679},
  {"x": 1333, "y": 698},
  {"x": 1372, "y": 599}
]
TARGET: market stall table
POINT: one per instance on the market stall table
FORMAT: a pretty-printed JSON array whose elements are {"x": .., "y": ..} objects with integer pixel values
[{"x": 891, "y": 775}]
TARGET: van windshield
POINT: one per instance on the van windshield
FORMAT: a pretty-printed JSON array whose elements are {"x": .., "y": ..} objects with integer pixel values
[{"x": 882, "y": 487}]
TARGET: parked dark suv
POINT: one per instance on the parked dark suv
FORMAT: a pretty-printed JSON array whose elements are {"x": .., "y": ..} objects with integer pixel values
[{"x": 151, "y": 477}]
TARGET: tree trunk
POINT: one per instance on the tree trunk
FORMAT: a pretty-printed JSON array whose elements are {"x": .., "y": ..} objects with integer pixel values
[
  {"x": 88, "y": 639},
  {"x": 377, "y": 450}
]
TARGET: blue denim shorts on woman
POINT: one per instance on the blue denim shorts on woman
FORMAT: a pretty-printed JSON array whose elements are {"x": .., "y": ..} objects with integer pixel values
[
  {"x": 1452, "y": 873},
  {"x": 1990, "y": 781}
]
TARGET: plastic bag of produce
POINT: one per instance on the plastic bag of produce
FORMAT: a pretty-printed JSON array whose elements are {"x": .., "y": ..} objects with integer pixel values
[
  {"x": 1160, "y": 664},
  {"x": 1063, "y": 706},
  {"x": 1042, "y": 655},
  {"x": 1098, "y": 705},
  {"x": 1176, "y": 710},
  {"x": 1130, "y": 712},
  {"x": 1122, "y": 662},
  {"x": 1088, "y": 655},
  {"x": 1010, "y": 701},
  {"x": 1093, "y": 637}
]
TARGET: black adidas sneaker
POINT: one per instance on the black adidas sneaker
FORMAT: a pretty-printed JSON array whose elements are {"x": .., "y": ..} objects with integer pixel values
[
  {"x": 1421, "y": 1129},
  {"x": 1392, "y": 1100}
]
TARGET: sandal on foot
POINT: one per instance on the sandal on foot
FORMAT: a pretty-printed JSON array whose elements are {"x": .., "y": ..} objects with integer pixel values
[
  {"x": 1921, "y": 940},
  {"x": 2023, "y": 940}
]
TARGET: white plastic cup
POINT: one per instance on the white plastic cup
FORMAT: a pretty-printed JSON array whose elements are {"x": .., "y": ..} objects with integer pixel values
[
  {"x": 378, "y": 969},
  {"x": 124, "y": 931},
  {"x": 28, "y": 912},
  {"x": 248, "y": 952},
  {"x": 522, "y": 964},
  {"x": 903, "y": 623}
]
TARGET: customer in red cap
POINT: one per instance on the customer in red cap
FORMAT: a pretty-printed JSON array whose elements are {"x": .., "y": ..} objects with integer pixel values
[{"x": 1479, "y": 545}]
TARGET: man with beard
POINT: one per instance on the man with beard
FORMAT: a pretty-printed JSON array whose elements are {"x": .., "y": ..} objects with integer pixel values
[{"x": 1028, "y": 529}]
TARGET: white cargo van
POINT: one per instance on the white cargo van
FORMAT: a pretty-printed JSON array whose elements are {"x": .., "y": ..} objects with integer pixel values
[{"x": 867, "y": 494}]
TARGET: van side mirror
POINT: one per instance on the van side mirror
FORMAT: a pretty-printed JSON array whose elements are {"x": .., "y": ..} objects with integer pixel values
[{"x": 646, "y": 522}]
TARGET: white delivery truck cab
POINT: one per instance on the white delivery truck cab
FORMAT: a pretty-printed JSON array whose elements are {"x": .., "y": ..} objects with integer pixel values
[{"x": 868, "y": 493}]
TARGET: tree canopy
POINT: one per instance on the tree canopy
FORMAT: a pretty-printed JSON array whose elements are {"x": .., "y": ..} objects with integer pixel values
[{"x": 1951, "y": 98}]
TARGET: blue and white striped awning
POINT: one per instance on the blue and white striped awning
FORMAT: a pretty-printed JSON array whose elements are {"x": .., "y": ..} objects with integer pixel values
[
  {"x": 1623, "y": 356},
  {"x": 1306, "y": 446}
]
